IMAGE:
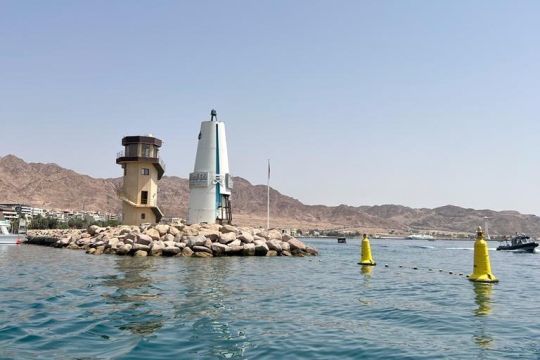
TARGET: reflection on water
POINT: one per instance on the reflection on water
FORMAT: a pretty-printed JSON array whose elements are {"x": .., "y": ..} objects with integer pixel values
[
  {"x": 483, "y": 292},
  {"x": 132, "y": 293},
  {"x": 208, "y": 292},
  {"x": 482, "y": 298},
  {"x": 366, "y": 271}
]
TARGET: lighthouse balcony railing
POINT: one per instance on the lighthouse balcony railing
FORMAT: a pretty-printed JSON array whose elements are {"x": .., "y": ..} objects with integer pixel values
[{"x": 139, "y": 154}]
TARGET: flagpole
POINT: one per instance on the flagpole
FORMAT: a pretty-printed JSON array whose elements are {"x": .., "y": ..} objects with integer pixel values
[{"x": 268, "y": 198}]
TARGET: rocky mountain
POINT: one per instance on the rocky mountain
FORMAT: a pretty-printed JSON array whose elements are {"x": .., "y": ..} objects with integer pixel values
[{"x": 51, "y": 186}]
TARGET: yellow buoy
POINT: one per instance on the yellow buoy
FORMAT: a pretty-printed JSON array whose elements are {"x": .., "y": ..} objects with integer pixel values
[
  {"x": 365, "y": 255},
  {"x": 482, "y": 266}
]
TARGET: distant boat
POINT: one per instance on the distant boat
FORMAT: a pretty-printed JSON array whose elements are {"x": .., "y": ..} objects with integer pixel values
[
  {"x": 420, "y": 237},
  {"x": 519, "y": 242},
  {"x": 5, "y": 237},
  {"x": 341, "y": 240}
]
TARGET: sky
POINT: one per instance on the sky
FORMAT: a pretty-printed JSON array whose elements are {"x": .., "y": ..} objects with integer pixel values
[{"x": 418, "y": 103}]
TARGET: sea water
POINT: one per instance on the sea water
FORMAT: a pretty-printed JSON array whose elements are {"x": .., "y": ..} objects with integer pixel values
[{"x": 64, "y": 304}]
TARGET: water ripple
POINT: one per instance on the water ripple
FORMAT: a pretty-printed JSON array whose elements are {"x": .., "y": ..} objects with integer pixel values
[{"x": 103, "y": 307}]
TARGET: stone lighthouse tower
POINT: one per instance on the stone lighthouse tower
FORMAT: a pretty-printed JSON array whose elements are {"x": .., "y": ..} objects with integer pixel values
[
  {"x": 142, "y": 170},
  {"x": 210, "y": 183}
]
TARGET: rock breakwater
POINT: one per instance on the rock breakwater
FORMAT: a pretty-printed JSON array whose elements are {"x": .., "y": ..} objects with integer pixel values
[{"x": 196, "y": 240}]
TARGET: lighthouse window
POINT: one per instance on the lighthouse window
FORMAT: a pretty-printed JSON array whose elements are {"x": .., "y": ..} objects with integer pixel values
[
  {"x": 131, "y": 150},
  {"x": 144, "y": 197},
  {"x": 146, "y": 150},
  {"x": 145, "y": 171}
]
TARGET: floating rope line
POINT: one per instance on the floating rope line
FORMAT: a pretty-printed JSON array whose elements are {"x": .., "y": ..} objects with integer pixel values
[{"x": 429, "y": 269}]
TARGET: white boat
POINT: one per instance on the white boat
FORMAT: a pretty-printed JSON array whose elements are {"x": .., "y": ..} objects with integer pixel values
[
  {"x": 420, "y": 237},
  {"x": 6, "y": 237}
]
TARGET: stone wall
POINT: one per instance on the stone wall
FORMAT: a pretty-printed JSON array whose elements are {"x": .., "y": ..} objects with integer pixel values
[{"x": 175, "y": 240}]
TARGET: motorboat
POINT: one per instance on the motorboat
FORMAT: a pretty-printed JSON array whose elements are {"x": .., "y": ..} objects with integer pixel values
[
  {"x": 6, "y": 237},
  {"x": 520, "y": 242},
  {"x": 420, "y": 237},
  {"x": 341, "y": 240}
]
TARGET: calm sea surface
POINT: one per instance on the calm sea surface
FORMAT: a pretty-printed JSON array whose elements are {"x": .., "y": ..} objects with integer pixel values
[{"x": 62, "y": 304}]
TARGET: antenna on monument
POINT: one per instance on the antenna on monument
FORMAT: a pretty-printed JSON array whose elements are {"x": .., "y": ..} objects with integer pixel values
[{"x": 213, "y": 115}]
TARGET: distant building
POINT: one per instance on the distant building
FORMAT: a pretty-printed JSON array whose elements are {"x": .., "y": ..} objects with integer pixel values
[
  {"x": 12, "y": 211},
  {"x": 38, "y": 212}
]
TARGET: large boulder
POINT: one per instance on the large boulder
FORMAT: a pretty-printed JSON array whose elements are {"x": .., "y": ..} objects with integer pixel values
[
  {"x": 179, "y": 245},
  {"x": 73, "y": 246},
  {"x": 312, "y": 251},
  {"x": 162, "y": 229},
  {"x": 124, "y": 249},
  {"x": 84, "y": 241},
  {"x": 153, "y": 233},
  {"x": 298, "y": 252},
  {"x": 226, "y": 238},
  {"x": 196, "y": 240},
  {"x": 174, "y": 231},
  {"x": 142, "y": 247},
  {"x": 168, "y": 237},
  {"x": 192, "y": 230},
  {"x": 169, "y": 243},
  {"x": 63, "y": 242},
  {"x": 170, "y": 251},
  {"x": 296, "y": 244},
  {"x": 286, "y": 237},
  {"x": 272, "y": 253},
  {"x": 157, "y": 248},
  {"x": 140, "y": 253},
  {"x": 274, "y": 234},
  {"x": 235, "y": 243},
  {"x": 219, "y": 249},
  {"x": 179, "y": 238},
  {"x": 274, "y": 245},
  {"x": 94, "y": 229},
  {"x": 261, "y": 234},
  {"x": 229, "y": 229},
  {"x": 187, "y": 252},
  {"x": 202, "y": 249},
  {"x": 235, "y": 249},
  {"x": 132, "y": 236},
  {"x": 75, "y": 236},
  {"x": 260, "y": 248},
  {"x": 212, "y": 227},
  {"x": 213, "y": 235},
  {"x": 249, "y": 250},
  {"x": 112, "y": 243},
  {"x": 285, "y": 246},
  {"x": 246, "y": 237},
  {"x": 143, "y": 239}
]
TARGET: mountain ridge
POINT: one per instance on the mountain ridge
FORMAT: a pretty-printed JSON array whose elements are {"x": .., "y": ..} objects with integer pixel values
[{"x": 52, "y": 186}]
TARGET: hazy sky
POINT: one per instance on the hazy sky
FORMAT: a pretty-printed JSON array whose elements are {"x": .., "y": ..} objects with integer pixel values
[{"x": 420, "y": 103}]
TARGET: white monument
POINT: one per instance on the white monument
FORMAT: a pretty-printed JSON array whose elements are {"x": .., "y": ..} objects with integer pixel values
[{"x": 210, "y": 183}]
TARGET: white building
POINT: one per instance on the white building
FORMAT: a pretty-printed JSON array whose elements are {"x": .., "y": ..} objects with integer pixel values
[{"x": 210, "y": 183}]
